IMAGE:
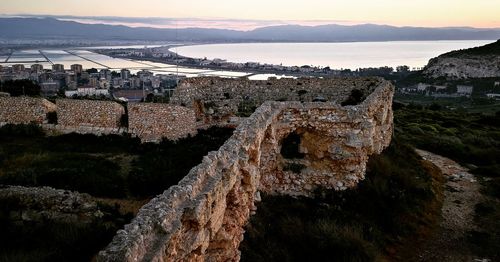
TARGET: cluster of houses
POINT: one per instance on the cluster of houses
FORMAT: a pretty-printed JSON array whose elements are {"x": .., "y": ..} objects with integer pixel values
[
  {"x": 446, "y": 90},
  {"x": 166, "y": 55},
  {"x": 77, "y": 82}
]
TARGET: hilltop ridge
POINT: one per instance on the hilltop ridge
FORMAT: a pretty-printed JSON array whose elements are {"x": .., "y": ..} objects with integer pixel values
[
  {"x": 477, "y": 62},
  {"x": 489, "y": 49},
  {"x": 51, "y": 28}
]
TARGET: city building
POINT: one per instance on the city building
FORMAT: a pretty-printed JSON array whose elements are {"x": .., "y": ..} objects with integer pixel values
[
  {"x": 422, "y": 87},
  {"x": 58, "y": 67},
  {"x": 93, "y": 82},
  {"x": 78, "y": 69},
  {"x": 125, "y": 74},
  {"x": 104, "y": 83},
  {"x": 18, "y": 68},
  {"x": 106, "y": 74},
  {"x": 49, "y": 87},
  {"x": 37, "y": 68},
  {"x": 465, "y": 90},
  {"x": 493, "y": 96},
  {"x": 144, "y": 75},
  {"x": 87, "y": 91}
]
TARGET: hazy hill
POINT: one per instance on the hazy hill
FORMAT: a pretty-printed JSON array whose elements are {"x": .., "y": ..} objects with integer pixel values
[
  {"x": 477, "y": 62},
  {"x": 48, "y": 28}
]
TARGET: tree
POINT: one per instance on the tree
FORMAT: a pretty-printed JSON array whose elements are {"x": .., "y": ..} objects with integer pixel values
[
  {"x": 403, "y": 69},
  {"x": 21, "y": 87},
  {"x": 92, "y": 70}
]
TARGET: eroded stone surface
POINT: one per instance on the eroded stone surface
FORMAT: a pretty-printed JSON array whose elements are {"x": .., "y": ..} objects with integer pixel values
[
  {"x": 203, "y": 217},
  {"x": 24, "y": 110},
  {"x": 152, "y": 122},
  {"x": 465, "y": 66},
  {"x": 215, "y": 100},
  {"x": 83, "y": 114}
]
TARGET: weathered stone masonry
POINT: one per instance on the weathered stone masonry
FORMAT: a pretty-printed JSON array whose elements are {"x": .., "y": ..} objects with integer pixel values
[
  {"x": 151, "y": 122},
  {"x": 202, "y": 218},
  {"x": 215, "y": 100},
  {"x": 24, "y": 110},
  {"x": 88, "y": 115}
]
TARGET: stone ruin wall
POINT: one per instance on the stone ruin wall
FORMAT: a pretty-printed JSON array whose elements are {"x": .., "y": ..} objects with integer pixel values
[
  {"x": 89, "y": 116},
  {"x": 216, "y": 99},
  {"x": 203, "y": 217},
  {"x": 152, "y": 122},
  {"x": 149, "y": 122},
  {"x": 24, "y": 110}
]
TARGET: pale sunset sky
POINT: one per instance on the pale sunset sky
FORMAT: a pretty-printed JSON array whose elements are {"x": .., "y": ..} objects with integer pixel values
[{"x": 247, "y": 14}]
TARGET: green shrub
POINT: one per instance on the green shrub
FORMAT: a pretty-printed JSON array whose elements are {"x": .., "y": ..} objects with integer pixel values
[
  {"x": 56, "y": 241},
  {"x": 84, "y": 173},
  {"x": 29, "y": 130},
  {"x": 161, "y": 166},
  {"x": 108, "y": 166}
]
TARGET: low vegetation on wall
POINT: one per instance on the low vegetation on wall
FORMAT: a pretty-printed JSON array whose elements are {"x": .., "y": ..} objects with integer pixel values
[{"x": 360, "y": 224}]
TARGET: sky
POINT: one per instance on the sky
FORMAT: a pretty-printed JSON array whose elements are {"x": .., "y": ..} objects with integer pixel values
[{"x": 249, "y": 14}]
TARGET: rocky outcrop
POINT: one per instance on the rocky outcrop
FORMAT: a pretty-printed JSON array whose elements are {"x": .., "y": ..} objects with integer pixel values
[
  {"x": 39, "y": 204},
  {"x": 203, "y": 217},
  {"x": 475, "y": 62},
  {"x": 463, "y": 67}
]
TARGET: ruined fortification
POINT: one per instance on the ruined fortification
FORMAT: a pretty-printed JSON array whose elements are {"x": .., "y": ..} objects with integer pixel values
[
  {"x": 215, "y": 100},
  {"x": 203, "y": 217},
  {"x": 150, "y": 122}
]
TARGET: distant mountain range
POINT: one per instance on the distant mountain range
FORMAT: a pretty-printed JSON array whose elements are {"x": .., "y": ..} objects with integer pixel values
[{"x": 50, "y": 28}]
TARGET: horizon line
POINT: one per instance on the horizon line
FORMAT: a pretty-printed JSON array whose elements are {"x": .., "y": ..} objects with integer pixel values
[{"x": 216, "y": 23}]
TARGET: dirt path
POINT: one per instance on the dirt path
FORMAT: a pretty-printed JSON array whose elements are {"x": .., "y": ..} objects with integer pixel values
[{"x": 461, "y": 194}]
